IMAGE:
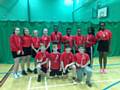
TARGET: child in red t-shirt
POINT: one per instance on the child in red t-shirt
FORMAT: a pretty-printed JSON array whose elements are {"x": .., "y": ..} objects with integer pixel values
[
  {"x": 54, "y": 62},
  {"x": 103, "y": 37},
  {"x": 42, "y": 58},
  {"x": 67, "y": 62},
  {"x": 35, "y": 45},
  {"x": 82, "y": 61}
]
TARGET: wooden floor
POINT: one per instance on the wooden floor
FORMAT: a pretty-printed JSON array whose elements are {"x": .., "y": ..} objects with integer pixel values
[{"x": 100, "y": 81}]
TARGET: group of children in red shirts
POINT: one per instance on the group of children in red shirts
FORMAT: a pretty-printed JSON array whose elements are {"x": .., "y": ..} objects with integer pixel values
[{"x": 57, "y": 63}]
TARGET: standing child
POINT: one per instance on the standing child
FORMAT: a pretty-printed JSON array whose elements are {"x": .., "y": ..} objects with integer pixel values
[
  {"x": 54, "y": 63},
  {"x": 42, "y": 58},
  {"x": 90, "y": 42},
  {"x": 26, "y": 44},
  {"x": 45, "y": 39},
  {"x": 82, "y": 61},
  {"x": 103, "y": 37},
  {"x": 57, "y": 36},
  {"x": 16, "y": 49},
  {"x": 35, "y": 46},
  {"x": 68, "y": 39},
  {"x": 79, "y": 39}
]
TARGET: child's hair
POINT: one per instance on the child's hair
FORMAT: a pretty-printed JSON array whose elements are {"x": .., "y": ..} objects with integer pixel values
[
  {"x": 24, "y": 30},
  {"x": 92, "y": 30},
  {"x": 67, "y": 46},
  {"x": 102, "y": 23},
  {"x": 81, "y": 46},
  {"x": 42, "y": 44},
  {"x": 14, "y": 30},
  {"x": 55, "y": 42},
  {"x": 68, "y": 29}
]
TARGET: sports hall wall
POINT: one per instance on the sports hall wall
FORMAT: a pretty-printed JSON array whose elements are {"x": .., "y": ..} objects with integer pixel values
[
  {"x": 88, "y": 10},
  {"x": 39, "y": 10},
  {"x": 42, "y": 14}
]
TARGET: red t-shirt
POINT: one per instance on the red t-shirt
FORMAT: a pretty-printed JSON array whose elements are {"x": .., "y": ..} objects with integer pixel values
[
  {"x": 58, "y": 37},
  {"x": 67, "y": 58},
  {"x": 43, "y": 57},
  {"x": 26, "y": 41},
  {"x": 104, "y": 35},
  {"x": 81, "y": 59},
  {"x": 15, "y": 43},
  {"x": 79, "y": 40},
  {"x": 90, "y": 40},
  {"x": 45, "y": 40},
  {"x": 55, "y": 60},
  {"x": 68, "y": 40},
  {"x": 36, "y": 42}
]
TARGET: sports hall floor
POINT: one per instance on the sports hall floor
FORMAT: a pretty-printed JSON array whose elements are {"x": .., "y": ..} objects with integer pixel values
[{"x": 109, "y": 81}]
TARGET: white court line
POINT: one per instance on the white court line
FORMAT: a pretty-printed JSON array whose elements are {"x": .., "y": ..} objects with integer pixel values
[
  {"x": 69, "y": 84},
  {"x": 53, "y": 86},
  {"x": 112, "y": 80},
  {"x": 113, "y": 71},
  {"x": 46, "y": 86},
  {"x": 29, "y": 83}
]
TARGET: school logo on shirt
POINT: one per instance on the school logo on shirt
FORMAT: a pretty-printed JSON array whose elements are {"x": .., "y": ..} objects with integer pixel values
[
  {"x": 45, "y": 38},
  {"x": 56, "y": 37},
  {"x": 57, "y": 57}
]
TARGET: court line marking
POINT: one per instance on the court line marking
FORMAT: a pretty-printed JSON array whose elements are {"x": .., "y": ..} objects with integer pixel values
[
  {"x": 29, "y": 83},
  {"x": 111, "y": 85},
  {"x": 46, "y": 86},
  {"x": 109, "y": 70},
  {"x": 68, "y": 84},
  {"x": 93, "y": 65},
  {"x": 62, "y": 85}
]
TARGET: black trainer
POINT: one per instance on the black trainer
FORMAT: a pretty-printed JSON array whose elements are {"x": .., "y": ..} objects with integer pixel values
[
  {"x": 23, "y": 72},
  {"x": 74, "y": 80},
  {"x": 39, "y": 78},
  {"x": 35, "y": 71},
  {"x": 89, "y": 83},
  {"x": 29, "y": 70}
]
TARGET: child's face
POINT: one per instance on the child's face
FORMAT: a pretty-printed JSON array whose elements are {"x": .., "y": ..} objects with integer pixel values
[
  {"x": 26, "y": 32},
  {"x": 55, "y": 48},
  {"x": 81, "y": 50},
  {"x": 55, "y": 29},
  {"x": 78, "y": 31},
  {"x": 89, "y": 31},
  {"x": 68, "y": 32},
  {"x": 35, "y": 33},
  {"x": 45, "y": 31},
  {"x": 17, "y": 31},
  {"x": 43, "y": 48},
  {"x": 68, "y": 50}
]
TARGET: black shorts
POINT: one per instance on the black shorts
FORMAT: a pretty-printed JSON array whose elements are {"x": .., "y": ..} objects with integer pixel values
[
  {"x": 103, "y": 46},
  {"x": 55, "y": 72},
  {"x": 27, "y": 51},
  {"x": 15, "y": 55},
  {"x": 59, "y": 50},
  {"x": 89, "y": 51},
  {"x": 67, "y": 71},
  {"x": 72, "y": 51},
  {"x": 33, "y": 53},
  {"x": 76, "y": 51},
  {"x": 48, "y": 50},
  {"x": 44, "y": 69}
]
